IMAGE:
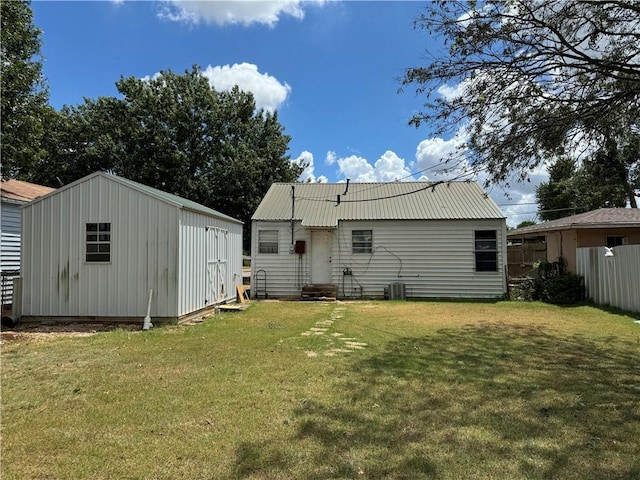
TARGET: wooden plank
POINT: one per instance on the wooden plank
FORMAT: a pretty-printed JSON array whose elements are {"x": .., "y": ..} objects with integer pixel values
[
  {"x": 233, "y": 307},
  {"x": 241, "y": 293}
]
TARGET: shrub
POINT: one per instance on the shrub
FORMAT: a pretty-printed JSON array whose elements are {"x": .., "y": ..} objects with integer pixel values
[{"x": 552, "y": 283}]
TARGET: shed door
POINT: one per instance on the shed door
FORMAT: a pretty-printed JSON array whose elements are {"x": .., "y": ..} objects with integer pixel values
[
  {"x": 320, "y": 257},
  {"x": 217, "y": 246}
]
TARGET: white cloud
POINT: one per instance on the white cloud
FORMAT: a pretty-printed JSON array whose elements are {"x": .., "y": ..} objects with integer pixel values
[
  {"x": 268, "y": 91},
  {"x": 356, "y": 168},
  {"x": 232, "y": 12},
  {"x": 432, "y": 155},
  {"x": 388, "y": 168},
  {"x": 307, "y": 175},
  {"x": 331, "y": 158}
]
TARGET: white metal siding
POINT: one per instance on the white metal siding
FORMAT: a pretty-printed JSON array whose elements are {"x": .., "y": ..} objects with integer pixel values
[
  {"x": 432, "y": 258},
  {"x": 613, "y": 280},
  {"x": 10, "y": 227},
  {"x": 193, "y": 280},
  {"x": 144, "y": 242},
  {"x": 286, "y": 272},
  {"x": 9, "y": 246}
]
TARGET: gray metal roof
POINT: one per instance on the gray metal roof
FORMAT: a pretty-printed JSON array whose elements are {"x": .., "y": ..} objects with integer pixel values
[
  {"x": 601, "y": 218},
  {"x": 175, "y": 200},
  {"x": 316, "y": 203}
]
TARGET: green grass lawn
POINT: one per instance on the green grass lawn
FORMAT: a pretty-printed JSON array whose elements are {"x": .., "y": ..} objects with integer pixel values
[{"x": 364, "y": 390}]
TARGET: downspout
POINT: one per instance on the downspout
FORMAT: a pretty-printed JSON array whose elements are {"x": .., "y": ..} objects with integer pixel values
[{"x": 146, "y": 325}]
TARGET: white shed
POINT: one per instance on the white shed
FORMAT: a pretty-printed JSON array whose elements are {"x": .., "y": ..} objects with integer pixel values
[
  {"x": 94, "y": 249},
  {"x": 375, "y": 240},
  {"x": 13, "y": 194}
]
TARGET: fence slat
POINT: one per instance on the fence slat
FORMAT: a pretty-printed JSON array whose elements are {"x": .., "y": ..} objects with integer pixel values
[{"x": 613, "y": 281}]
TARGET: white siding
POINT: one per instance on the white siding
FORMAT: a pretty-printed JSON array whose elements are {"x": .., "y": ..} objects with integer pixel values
[
  {"x": 10, "y": 227},
  {"x": 432, "y": 258},
  {"x": 286, "y": 272},
  {"x": 144, "y": 243},
  {"x": 9, "y": 246},
  {"x": 612, "y": 280},
  {"x": 193, "y": 282}
]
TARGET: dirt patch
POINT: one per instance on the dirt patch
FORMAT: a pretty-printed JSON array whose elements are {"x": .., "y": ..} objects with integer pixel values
[{"x": 38, "y": 332}]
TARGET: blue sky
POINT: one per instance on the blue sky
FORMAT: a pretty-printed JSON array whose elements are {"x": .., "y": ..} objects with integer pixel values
[{"x": 331, "y": 69}]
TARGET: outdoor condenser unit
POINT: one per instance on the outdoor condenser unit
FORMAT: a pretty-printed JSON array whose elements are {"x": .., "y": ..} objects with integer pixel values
[{"x": 397, "y": 291}]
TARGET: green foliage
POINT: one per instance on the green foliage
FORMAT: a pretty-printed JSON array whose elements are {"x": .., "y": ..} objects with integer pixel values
[
  {"x": 552, "y": 283},
  {"x": 570, "y": 189},
  {"x": 23, "y": 95},
  {"x": 536, "y": 80},
  {"x": 526, "y": 223},
  {"x": 175, "y": 133}
]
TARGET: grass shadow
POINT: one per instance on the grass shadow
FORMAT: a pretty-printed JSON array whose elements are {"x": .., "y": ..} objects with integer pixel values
[{"x": 482, "y": 401}]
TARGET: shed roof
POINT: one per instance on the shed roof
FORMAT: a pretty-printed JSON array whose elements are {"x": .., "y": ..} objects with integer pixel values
[
  {"x": 174, "y": 200},
  {"x": 21, "y": 192},
  {"x": 316, "y": 204},
  {"x": 601, "y": 218}
]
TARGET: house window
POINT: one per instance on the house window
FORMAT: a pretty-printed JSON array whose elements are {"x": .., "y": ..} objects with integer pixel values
[
  {"x": 98, "y": 242},
  {"x": 614, "y": 241},
  {"x": 268, "y": 241},
  {"x": 486, "y": 249},
  {"x": 361, "y": 241}
]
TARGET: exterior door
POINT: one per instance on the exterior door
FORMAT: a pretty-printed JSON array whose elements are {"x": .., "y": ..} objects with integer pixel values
[
  {"x": 217, "y": 260},
  {"x": 321, "y": 256}
]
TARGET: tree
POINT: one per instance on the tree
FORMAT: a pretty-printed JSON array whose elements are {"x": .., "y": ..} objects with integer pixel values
[
  {"x": 572, "y": 190},
  {"x": 536, "y": 79},
  {"x": 175, "y": 133},
  {"x": 23, "y": 96}
]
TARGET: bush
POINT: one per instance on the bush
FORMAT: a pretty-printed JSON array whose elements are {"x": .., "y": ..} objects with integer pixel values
[{"x": 552, "y": 283}]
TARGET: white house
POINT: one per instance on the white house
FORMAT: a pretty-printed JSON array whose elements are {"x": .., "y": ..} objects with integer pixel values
[
  {"x": 13, "y": 194},
  {"x": 371, "y": 240},
  {"x": 94, "y": 249}
]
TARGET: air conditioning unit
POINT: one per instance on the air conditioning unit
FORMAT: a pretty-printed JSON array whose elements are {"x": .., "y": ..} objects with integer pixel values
[{"x": 397, "y": 291}]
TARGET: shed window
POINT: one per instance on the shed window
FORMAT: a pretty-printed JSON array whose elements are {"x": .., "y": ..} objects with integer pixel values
[
  {"x": 486, "y": 249},
  {"x": 614, "y": 241},
  {"x": 361, "y": 241},
  {"x": 268, "y": 241},
  {"x": 98, "y": 242}
]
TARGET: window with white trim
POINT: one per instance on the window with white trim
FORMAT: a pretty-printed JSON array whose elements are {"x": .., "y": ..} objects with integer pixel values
[
  {"x": 486, "y": 250},
  {"x": 361, "y": 241},
  {"x": 268, "y": 241},
  {"x": 98, "y": 242}
]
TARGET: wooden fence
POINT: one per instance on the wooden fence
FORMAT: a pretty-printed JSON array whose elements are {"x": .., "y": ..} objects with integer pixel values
[
  {"x": 522, "y": 257},
  {"x": 611, "y": 280}
]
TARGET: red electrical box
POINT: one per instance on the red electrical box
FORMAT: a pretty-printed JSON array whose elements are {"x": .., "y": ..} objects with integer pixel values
[{"x": 300, "y": 246}]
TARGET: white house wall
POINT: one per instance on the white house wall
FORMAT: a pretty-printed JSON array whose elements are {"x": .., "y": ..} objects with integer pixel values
[
  {"x": 432, "y": 258},
  {"x": 57, "y": 281},
  {"x": 10, "y": 227},
  {"x": 286, "y": 272},
  {"x": 9, "y": 245},
  {"x": 193, "y": 280}
]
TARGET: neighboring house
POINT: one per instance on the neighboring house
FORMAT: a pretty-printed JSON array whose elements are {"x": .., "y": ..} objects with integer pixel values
[
  {"x": 13, "y": 194},
  {"x": 605, "y": 227},
  {"x": 375, "y": 239},
  {"x": 95, "y": 248}
]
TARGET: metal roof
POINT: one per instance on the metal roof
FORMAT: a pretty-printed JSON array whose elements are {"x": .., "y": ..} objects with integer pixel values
[
  {"x": 601, "y": 218},
  {"x": 175, "y": 200},
  {"x": 21, "y": 192},
  {"x": 316, "y": 204}
]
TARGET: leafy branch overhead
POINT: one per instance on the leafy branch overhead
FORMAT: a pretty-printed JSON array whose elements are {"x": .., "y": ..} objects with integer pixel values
[{"x": 526, "y": 81}]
